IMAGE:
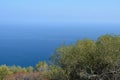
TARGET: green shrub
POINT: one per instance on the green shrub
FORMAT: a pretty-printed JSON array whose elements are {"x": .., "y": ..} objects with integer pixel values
[
  {"x": 90, "y": 60},
  {"x": 4, "y": 71}
]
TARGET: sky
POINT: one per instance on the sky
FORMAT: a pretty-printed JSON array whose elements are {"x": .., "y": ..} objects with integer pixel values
[{"x": 59, "y": 11}]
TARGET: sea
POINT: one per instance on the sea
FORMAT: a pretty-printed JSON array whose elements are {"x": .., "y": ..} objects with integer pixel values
[{"x": 26, "y": 45}]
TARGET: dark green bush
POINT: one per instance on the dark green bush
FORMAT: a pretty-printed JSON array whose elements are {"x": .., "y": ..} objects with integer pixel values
[{"x": 90, "y": 60}]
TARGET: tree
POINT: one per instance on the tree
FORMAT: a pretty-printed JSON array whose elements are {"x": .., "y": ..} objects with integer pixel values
[{"x": 91, "y": 60}]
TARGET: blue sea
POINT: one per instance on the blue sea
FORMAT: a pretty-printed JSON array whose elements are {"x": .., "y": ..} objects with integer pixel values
[{"x": 26, "y": 45}]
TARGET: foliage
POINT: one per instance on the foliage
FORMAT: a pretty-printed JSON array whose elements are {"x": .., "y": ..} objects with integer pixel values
[
  {"x": 91, "y": 60},
  {"x": 16, "y": 69},
  {"x": 30, "y": 69},
  {"x": 41, "y": 67},
  {"x": 55, "y": 73},
  {"x": 4, "y": 71}
]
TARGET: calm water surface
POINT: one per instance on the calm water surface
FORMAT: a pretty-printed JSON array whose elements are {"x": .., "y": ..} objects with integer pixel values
[{"x": 25, "y": 45}]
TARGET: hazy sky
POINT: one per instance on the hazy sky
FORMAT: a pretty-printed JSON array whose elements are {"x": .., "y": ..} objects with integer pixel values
[{"x": 59, "y": 11}]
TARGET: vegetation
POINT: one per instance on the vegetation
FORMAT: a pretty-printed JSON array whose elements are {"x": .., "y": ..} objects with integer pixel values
[
  {"x": 4, "y": 71},
  {"x": 85, "y": 60}
]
